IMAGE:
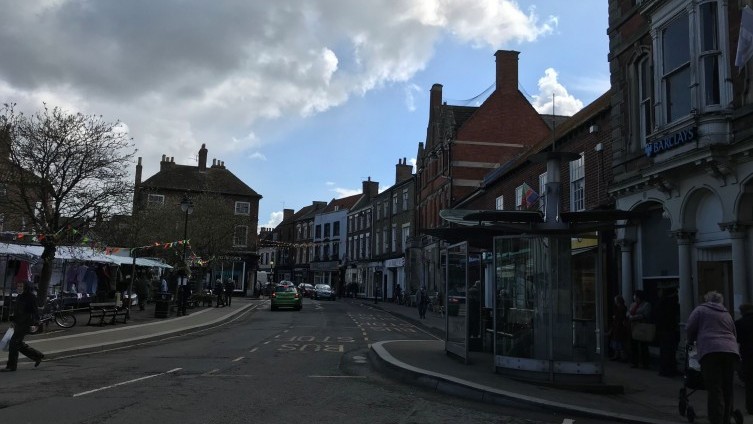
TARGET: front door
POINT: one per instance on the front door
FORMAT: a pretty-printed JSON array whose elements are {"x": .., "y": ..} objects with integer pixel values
[{"x": 716, "y": 275}]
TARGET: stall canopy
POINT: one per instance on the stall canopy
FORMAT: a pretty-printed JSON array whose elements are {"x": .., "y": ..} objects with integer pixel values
[{"x": 33, "y": 253}]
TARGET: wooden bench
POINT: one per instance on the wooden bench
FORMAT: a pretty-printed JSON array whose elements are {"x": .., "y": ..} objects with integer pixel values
[{"x": 107, "y": 312}]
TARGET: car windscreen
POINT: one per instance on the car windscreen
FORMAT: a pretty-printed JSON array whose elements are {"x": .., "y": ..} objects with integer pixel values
[{"x": 282, "y": 289}]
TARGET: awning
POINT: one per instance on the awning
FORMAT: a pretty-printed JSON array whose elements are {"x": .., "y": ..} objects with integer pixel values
[{"x": 127, "y": 260}]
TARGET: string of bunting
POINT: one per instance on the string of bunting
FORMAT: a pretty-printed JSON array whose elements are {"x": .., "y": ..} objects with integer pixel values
[{"x": 273, "y": 243}]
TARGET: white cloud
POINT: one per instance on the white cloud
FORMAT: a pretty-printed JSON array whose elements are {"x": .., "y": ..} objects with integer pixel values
[
  {"x": 410, "y": 100},
  {"x": 329, "y": 183},
  {"x": 345, "y": 192},
  {"x": 564, "y": 103},
  {"x": 275, "y": 218},
  {"x": 413, "y": 162},
  {"x": 181, "y": 73},
  {"x": 257, "y": 155}
]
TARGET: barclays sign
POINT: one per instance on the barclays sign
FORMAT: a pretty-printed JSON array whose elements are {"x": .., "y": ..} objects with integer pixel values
[{"x": 671, "y": 141}]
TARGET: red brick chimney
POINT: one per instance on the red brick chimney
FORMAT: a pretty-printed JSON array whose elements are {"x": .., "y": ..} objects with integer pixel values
[
  {"x": 403, "y": 170},
  {"x": 203, "y": 158},
  {"x": 507, "y": 71},
  {"x": 287, "y": 214},
  {"x": 370, "y": 188}
]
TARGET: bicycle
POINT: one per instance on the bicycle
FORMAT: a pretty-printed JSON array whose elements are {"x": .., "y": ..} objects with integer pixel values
[{"x": 53, "y": 311}]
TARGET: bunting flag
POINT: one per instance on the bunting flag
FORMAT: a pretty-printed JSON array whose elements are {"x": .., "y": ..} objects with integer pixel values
[{"x": 530, "y": 196}]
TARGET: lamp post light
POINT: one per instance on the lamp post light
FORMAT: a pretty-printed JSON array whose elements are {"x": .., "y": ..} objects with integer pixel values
[{"x": 186, "y": 205}]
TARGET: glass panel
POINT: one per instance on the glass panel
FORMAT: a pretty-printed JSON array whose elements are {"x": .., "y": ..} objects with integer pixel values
[
  {"x": 708, "y": 27},
  {"x": 711, "y": 79},
  {"x": 584, "y": 306},
  {"x": 678, "y": 94},
  {"x": 516, "y": 313},
  {"x": 676, "y": 44},
  {"x": 457, "y": 310},
  {"x": 534, "y": 305}
]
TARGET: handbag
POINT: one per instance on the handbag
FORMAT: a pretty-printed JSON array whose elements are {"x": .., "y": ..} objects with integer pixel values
[
  {"x": 5, "y": 341},
  {"x": 643, "y": 331}
]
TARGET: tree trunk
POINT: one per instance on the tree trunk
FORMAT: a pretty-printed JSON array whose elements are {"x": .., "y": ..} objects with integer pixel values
[{"x": 48, "y": 256}]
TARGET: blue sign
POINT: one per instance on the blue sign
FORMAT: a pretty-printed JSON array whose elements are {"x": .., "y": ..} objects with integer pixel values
[{"x": 671, "y": 141}]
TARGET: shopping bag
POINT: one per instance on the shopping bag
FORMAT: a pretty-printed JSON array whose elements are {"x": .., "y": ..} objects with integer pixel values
[
  {"x": 643, "y": 331},
  {"x": 5, "y": 341}
]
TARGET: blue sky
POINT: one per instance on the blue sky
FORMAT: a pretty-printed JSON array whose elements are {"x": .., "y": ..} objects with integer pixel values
[{"x": 302, "y": 99}]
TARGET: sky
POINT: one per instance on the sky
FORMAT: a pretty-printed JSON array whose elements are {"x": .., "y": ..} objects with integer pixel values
[{"x": 302, "y": 99}]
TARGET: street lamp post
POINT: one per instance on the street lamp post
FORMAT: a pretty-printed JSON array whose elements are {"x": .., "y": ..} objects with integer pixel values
[{"x": 186, "y": 205}]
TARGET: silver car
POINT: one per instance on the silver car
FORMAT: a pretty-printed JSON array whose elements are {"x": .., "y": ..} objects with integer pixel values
[{"x": 324, "y": 291}]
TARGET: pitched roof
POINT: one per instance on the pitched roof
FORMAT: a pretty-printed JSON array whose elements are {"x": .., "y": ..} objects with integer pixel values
[
  {"x": 342, "y": 203},
  {"x": 212, "y": 180}
]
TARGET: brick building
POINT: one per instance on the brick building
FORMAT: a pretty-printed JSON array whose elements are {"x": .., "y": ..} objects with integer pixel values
[
  {"x": 173, "y": 182},
  {"x": 463, "y": 144}
]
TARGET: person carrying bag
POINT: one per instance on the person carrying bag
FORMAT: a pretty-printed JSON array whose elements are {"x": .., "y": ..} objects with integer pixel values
[
  {"x": 26, "y": 315},
  {"x": 642, "y": 332}
]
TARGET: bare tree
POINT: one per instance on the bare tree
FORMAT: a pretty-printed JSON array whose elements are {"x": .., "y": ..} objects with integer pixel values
[{"x": 65, "y": 171}]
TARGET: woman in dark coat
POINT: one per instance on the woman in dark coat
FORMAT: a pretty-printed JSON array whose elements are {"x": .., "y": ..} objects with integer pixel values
[
  {"x": 619, "y": 332},
  {"x": 26, "y": 314},
  {"x": 744, "y": 328}
]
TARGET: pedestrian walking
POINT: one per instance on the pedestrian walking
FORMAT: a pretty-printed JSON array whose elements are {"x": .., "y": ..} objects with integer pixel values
[
  {"x": 744, "y": 329},
  {"x": 219, "y": 291},
  {"x": 422, "y": 300},
  {"x": 710, "y": 325},
  {"x": 25, "y": 316},
  {"x": 667, "y": 330},
  {"x": 142, "y": 290},
  {"x": 229, "y": 288},
  {"x": 639, "y": 313}
]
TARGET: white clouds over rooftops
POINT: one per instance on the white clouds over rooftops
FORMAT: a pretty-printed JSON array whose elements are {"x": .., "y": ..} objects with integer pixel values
[{"x": 184, "y": 72}]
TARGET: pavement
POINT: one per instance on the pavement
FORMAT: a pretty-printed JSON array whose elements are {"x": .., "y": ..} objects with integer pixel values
[{"x": 642, "y": 396}]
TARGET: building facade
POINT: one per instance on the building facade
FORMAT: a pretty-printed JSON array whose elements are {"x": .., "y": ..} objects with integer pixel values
[
  {"x": 392, "y": 226},
  {"x": 330, "y": 238},
  {"x": 360, "y": 269},
  {"x": 463, "y": 144},
  {"x": 172, "y": 183},
  {"x": 681, "y": 123}
]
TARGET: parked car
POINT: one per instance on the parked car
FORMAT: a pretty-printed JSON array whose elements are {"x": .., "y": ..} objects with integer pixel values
[
  {"x": 324, "y": 291},
  {"x": 307, "y": 290},
  {"x": 286, "y": 283},
  {"x": 286, "y": 297}
]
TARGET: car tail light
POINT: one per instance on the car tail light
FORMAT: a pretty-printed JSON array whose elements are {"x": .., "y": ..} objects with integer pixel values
[
  {"x": 274, "y": 294},
  {"x": 296, "y": 295}
]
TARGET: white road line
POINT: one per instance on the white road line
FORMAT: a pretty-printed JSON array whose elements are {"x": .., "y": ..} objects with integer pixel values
[
  {"x": 253, "y": 350},
  {"x": 267, "y": 342},
  {"x": 337, "y": 376},
  {"x": 568, "y": 421},
  {"x": 211, "y": 372},
  {"x": 238, "y": 358},
  {"x": 126, "y": 382}
]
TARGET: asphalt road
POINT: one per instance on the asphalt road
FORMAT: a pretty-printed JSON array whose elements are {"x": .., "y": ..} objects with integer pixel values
[{"x": 310, "y": 366}]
